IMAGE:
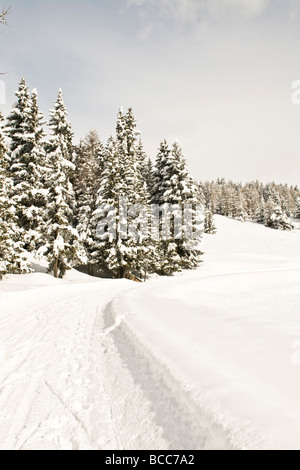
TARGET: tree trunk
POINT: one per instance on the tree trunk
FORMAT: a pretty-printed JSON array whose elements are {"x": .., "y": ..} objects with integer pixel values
[
  {"x": 123, "y": 272},
  {"x": 91, "y": 270},
  {"x": 55, "y": 269}
]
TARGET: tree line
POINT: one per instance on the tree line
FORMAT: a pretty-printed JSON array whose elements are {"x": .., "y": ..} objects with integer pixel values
[
  {"x": 271, "y": 204},
  {"x": 53, "y": 194}
]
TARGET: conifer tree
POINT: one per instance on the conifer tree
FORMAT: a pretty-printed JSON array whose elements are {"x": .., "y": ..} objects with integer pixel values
[
  {"x": 62, "y": 247},
  {"x": 275, "y": 218},
  {"x": 141, "y": 158},
  {"x": 129, "y": 160},
  {"x": 108, "y": 250},
  {"x": 174, "y": 187},
  {"x": 297, "y": 209},
  {"x": 12, "y": 256},
  {"x": 161, "y": 173},
  {"x": 209, "y": 226},
  {"x": 17, "y": 123},
  {"x": 148, "y": 174},
  {"x": 27, "y": 166},
  {"x": 89, "y": 165},
  {"x": 123, "y": 196}
]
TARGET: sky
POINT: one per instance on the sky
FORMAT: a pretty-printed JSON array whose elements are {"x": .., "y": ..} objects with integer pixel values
[{"x": 216, "y": 75}]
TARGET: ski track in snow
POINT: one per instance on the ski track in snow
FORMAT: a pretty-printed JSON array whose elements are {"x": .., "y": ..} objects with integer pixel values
[
  {"x": 76, "y": 376},
  {"x": 63, "y": 384}
]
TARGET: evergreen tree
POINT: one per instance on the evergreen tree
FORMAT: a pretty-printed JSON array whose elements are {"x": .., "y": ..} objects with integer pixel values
[
  {"x": 123, "y": 197},
  {"x": 62, "y": 247},
  {"x": 148, "y": 174},
  {"x": 144, "y": 167},
  {"x": 239, "y": 213},
  {"x": 209, "y": 226},
  {"x": 129, "y": 159},
  {"x": 275, "y": 218},
  {"x": 89, "y": 165},
  {"x": 297, "y": 209},
  {"x": 12, "y": 256},
  {"x": 167, "y": 258},
  {"x": 16, "y": 126},
  {"x": 161, "y": 173},
  {"x": 139, "y": 248},
  {"x": 185, "y": 192},
  {"x": 108, "y": 246},
  {"x": 260, "y": 213},
  {"x": 62, "y": 134},
  {"x": 27, "y": 166},
  {"x": 174, "y": 187}
]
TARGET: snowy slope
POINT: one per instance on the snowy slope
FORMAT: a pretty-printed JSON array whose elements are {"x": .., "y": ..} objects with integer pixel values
[
  {"x": 199, "y": 361},
  {"x": 227, "y": 332}
]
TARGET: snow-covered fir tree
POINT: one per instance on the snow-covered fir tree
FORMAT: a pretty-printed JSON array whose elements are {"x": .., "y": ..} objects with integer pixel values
[
  {"x": 123, "y": 196},
  {"x": 161, "y": 173},
  {"x": 145, "y": 166},
  {"x": 139, "y": 249},
  {"x": 209, "y": 226},
  {"x": 276, "y": 218},
  {"x": 108, "y": 250},
  {"x": 12, "y": 256},
  {"x": 17, "y": 122},
  {"x": 27, "y": 166},
  {"x": 174, "y": 188},
  {"x": 297, "y": 209},
  {"x": 149, "y": 175},
  {"x": 89, "y": 165},
  {"x": 128, "y": 156},
  {"x": 260, "y": 212},
  {"x": 62, "y": 248},
  {"x": 141, "y": 157}
]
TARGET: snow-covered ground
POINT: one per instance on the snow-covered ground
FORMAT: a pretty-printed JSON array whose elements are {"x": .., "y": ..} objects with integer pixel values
[
  {"x": 63, "y": 384},
  {"x": 207, "y": 359}
]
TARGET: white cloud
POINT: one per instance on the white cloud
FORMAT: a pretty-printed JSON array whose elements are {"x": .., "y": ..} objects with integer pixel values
[
  {"x": 247, "y": 8},
  {"x": 185, "y": 10},
  {"x": 294, "y": 9},
  {"x": 193, "y": 10}
]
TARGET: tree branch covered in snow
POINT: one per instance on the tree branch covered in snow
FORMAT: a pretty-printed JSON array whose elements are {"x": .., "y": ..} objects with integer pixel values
[{"x": 3, "y": 15}]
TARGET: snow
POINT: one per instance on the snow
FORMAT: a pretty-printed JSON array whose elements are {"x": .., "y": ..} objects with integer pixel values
[
  {"x": 228, "y": 333},
  {"x": 63, "y": 383},
  {"x": 208, "y": 359}
]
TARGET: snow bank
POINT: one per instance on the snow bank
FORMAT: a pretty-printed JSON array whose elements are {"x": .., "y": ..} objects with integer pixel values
[{"x": 225, "y": 335}]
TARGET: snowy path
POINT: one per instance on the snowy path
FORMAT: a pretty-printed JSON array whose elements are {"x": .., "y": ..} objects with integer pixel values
[
  {"x": 73, "y": 378},
  {"x": 63, "y": 384}
]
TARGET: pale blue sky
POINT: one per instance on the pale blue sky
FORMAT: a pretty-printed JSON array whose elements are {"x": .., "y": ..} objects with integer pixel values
[{"x": 214, "y": 74}]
